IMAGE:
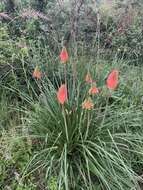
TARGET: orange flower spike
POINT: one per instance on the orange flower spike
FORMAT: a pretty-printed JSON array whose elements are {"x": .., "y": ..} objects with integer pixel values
[
  {"x": 93, "y": 90},
  {"x": 62, "y": 94},
  {"x": 88, "y": 78},
  {"x": 87, "y": 104},
  {"x": 37, "y": 73},
  {"x": 64, "y": 55},
  {"x": 113, "y": 80}
]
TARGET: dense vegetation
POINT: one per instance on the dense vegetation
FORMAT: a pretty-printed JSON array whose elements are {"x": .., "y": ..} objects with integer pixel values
[{"x": 71, "y": 95}]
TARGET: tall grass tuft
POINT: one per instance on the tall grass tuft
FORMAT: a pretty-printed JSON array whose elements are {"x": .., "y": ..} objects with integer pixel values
[{"x": 86, "y": 149}]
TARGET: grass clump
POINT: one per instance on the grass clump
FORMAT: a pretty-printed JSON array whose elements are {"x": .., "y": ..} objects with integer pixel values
[{"x": 86, "y": 149}]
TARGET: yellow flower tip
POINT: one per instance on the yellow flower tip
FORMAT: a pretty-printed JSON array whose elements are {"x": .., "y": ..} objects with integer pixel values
[
  {"x": 88, "y": 78},
  {"x": 88, "y": 104},
  {"x": 37, "y": 73}
]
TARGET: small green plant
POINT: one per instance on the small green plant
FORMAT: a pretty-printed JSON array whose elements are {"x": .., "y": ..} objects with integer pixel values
[{"x": 14, "y": 153}]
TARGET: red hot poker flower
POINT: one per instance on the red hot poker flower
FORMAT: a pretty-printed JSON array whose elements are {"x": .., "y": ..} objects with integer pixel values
[
  {"x": 93, "y": 90},
  {"x": 113, "y": 80},
  {"x": 37, "y": 73},
  {"x": 88, "y": 104},
  {"x": 88, "y": 78},
  {"x": 64, "y": 55},
  {"x": 62, "y": 94}
]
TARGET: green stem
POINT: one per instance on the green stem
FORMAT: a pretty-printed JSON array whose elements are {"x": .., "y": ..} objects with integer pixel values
[
  {"x": 65, "y": 74},
  {"x": 88, "y": 125},
  {"x": 65, "y": 122}
]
